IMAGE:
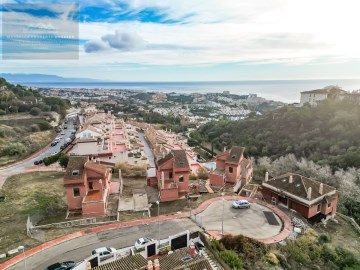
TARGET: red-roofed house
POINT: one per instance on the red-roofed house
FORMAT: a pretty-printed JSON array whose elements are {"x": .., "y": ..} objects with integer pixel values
[
  {"x": 87, "y": 186},
  {"x": 171, "y": 175},
  {"x": 232, "y": 167},
  {"x": 306, "y": 196}
]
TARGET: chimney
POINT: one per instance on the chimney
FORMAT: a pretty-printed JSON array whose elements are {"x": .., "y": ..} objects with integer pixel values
[
  {"x": 192, "y": 250},
  {"x": 266, "y": 176},
  {"x": 224, "y": 148},
  {"x": 156, "y": 264},
  {"x": 150, "y": 265},
  {"x": 290, "y": 179},
  {"x": 321, "y": 189},
  {"x": 162, "y": 179},
  {"x": 309, "y": 193}
]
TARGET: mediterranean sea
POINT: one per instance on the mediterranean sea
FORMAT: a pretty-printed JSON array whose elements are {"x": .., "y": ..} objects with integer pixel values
[{"x": 279, "y": 90}]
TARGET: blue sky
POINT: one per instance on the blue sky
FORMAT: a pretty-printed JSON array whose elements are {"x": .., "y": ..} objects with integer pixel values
[{"x": 177, "y": 40}]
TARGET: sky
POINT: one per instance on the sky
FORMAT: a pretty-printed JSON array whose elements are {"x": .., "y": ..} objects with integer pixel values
[{"x": 182, "y": 40}]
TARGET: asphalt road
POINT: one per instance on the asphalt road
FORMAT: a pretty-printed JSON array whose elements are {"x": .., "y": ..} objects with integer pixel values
[
  {"x": 80, "y": 248},
  {"x": 28, "y": 163}
]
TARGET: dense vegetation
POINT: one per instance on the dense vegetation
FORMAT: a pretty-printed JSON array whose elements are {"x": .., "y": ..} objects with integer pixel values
[
  {"x": 326, "y": 134},
  {"x": 25, "y": 117},
  {"x": 15, "y": 98},
  {"x": 309, "y": 251}
]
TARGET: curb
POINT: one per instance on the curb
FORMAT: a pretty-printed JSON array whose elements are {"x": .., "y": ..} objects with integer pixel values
[{"x": 287, "y": 228}]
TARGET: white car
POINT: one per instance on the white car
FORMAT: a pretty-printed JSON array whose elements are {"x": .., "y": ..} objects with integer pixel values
[
  {"x": 62, "y": 133},
  {"x": 241, "y": 204},
  {"x": 140, "y": 243},
  {"x": 104, "y": 252}
]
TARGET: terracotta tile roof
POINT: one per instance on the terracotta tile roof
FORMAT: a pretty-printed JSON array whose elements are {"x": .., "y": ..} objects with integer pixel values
[
  {"x": 75, "y": 163},
  {"x": 135, "y": 262},
  {"x": 299, "y": 186},
  {"x": 236, "y": 152},
  {"x": 96, "y": 167},
  {"x": 163, "y": 160},
  {"x": 181, "y": 160},
  {"x": 180, "y": 260}
]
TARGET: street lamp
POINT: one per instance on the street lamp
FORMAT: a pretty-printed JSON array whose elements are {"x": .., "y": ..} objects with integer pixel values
[
  {"x": 22, "y": 248},
  {"x": 158, "y": 204},
  {"x": 222, "y": 216}
]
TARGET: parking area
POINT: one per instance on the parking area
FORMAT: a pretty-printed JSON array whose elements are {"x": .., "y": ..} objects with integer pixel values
[{"x": 250, "y": 222}]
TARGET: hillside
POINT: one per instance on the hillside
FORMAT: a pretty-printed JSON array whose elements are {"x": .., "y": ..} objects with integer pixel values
[
  {"x": 25, "y": 118},
  {"x": 326, "y": 134}
]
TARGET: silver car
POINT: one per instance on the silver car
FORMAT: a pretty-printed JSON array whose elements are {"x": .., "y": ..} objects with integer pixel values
[{"x": 241, "y": 204}]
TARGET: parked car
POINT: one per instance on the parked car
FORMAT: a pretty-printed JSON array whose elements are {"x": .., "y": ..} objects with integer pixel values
[
  {"x": 140, "y": 243},
  {"x": 65, "y": 127},
  {"x": 63, "y": 147},
  {"x": 54, "y": 143},
  {"x": 61, "y": 266},
  {"x": 36, "y": 162},
  {"x": 104, "y": 252},
  {"x": 241, "y": 204},
  {"x": 62, "y": 133}
]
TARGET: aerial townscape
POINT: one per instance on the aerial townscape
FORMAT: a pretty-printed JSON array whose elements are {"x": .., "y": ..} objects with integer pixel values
[{"x": 139, "y": 135}]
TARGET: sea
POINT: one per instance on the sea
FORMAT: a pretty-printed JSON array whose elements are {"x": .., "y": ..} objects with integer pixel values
[{"x": 278, "y": 90}]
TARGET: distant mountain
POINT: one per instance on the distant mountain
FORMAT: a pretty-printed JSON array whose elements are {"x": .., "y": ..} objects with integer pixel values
[{"x": 41, "y": 78}]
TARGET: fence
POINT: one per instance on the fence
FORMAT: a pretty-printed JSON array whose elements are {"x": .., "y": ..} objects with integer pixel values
[{"x": 351, "y": 220}]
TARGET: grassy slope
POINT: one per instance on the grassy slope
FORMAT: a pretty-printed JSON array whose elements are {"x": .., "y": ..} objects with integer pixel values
[{"x": 27, "y": 194}]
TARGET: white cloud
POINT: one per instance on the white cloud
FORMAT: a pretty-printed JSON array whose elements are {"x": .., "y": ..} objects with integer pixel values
[{"x": 274, "y": 31}]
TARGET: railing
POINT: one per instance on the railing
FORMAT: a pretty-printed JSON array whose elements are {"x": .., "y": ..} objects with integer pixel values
[{"x": 351, "y": 220}]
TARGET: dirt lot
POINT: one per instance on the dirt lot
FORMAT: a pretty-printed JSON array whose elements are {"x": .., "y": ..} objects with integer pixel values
[
  {"x": 132, "y": 183},
  {"x": 28, "y": 194}
]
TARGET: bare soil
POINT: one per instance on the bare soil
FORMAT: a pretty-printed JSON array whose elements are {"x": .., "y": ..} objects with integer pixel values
[{"x": 27, "y": 194}]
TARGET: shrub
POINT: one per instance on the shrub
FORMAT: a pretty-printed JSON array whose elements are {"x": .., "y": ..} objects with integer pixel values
[
  {"x": 192, "y": 177},
  {"x": 34, "y": 128},
  {"x": 324, "y": 238},
  {"x": 203, "y": 174},
  {"x": 52, "y": 159},
  {"x": 2, "y": 112},
  {"x": 14, "y": 149},
  {"x": 271, "y": 258},
  {"x": 35, "y": 111},
  {"x": 64, "y": 160},
  {"x": 232, "y": 259},
  {"x": 44, "y": 125}
]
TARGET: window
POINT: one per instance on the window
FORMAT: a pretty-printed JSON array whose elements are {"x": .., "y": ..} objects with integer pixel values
[
  {"x": 170, "y": 175},
  {"x": 91, "y": 185},
  {"x": 329, "y": 204},
  {"x": 233, "y": 156},
  {"x": 76, "y": 192},
  {"x": 231, "y": 169},
  {"x": 75, "y": 172},
  {"x": 318, "y": 207},
  {"x": 181, "y": 179}
]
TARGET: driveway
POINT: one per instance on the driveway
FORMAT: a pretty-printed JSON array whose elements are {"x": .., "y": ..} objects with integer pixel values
[{"x": 248, "y": 222}]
